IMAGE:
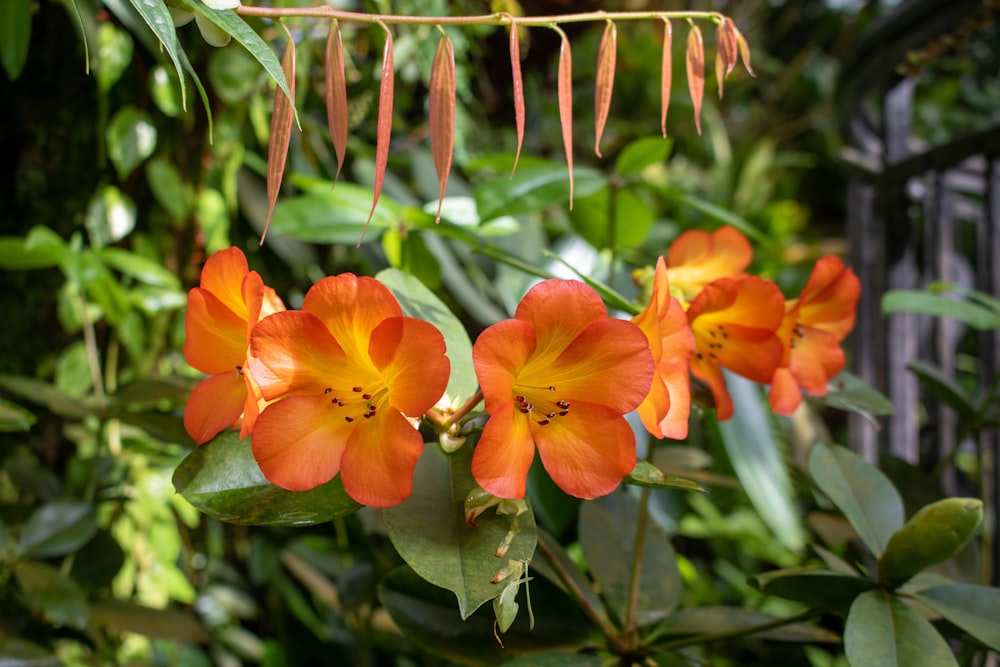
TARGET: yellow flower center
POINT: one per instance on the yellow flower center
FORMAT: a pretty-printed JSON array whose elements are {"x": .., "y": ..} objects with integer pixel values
[{"x": 541, "y": 408}]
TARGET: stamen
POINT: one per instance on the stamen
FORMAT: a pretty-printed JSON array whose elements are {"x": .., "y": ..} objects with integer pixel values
[
  {"x": 348, "y": 419},
  {"x": 551, "y": 388},
  {"x": 327, "y": 391},
  {"x": 366, "y": 396},
  {"x": 357, "y": 390},
  {"x": 543, "y": 422}
]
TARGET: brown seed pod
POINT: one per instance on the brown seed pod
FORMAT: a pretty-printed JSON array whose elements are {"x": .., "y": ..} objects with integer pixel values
[
  {"x": 696, "y": 72},
  {"x": 607, "y": 55},
  {"x": 442, "y": 113},
  {"x": 336, "y": 94},
  {"x": 282, "y": 117}
]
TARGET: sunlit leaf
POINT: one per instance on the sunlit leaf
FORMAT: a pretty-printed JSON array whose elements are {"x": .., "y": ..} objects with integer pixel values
[
  {"x": 883, "y": 631},
  {"x": 442, "y": 113},
  {"x": 336, "y": 94},
  {"x": 641, "y": 153},
  {"x": 607, "y": 54},
  {"x": 15, "y": 418},
  {"x": 157, "y": 17},
  {"x": 666, "y": 73},
  {"x": 695, "y": 60},
  {"x": 646, "y": 474},
  {"x": 515, "y": 70},
  {"x": 533, "y": 189},
  {"x": 131, "y": 138},
  {"x": 564, "y": 91},
  {"x": 281, "y": 131},
  {"x": 384, "y": 123}
]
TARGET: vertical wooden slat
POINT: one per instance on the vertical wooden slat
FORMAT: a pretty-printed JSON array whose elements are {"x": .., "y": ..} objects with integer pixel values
[{"x": 988, "y": 280}]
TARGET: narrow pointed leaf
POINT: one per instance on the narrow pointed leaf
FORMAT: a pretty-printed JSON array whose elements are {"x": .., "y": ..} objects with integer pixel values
[
  {"x": 515, "y": 70},
  {"x": 336, "y": 94},
  {"x": 384, "y": 123},
  {"x": 442, "y": 113},
  {"x": 695, "y": 59},
  {"x": 281, "y": 132},
  {"x": 565, "y": 94},
  {"x": 157, "y": 17},
  {"x": 607, "y": 55},
  {"x": 666, "y": 74},
  {"x": 744, "y": 49},
  {"x": 975, "y": 609}
]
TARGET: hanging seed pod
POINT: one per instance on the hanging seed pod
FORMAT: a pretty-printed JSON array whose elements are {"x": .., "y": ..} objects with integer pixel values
[
  {"x": 607, "y": 55},
  {"x": 442, "y": 113},
  {"x": 564, "y": 91},
  {"x": 384, "y": 122},
  {"x": 744, "y": 48},
  {"x": 666, "y": 74},
  {"x": 696, "y": 72},
  {"x": 281, "y": 131},
  {"x": 726, "y": 51},
  {"x": 336, "y": 94},
  {"x": 515, "y": 70}
]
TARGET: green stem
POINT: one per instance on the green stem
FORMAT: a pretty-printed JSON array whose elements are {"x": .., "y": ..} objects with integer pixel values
[
  {"x": 738, "y": 632},
  {"x": 639, "y": 544},
  {"x": 500, "y": 18}
]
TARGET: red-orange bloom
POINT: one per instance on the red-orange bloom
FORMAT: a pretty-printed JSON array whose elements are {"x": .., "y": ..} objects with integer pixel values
[
  {"x": 734, "y": 324},
  {"x": 348, "y": 367},
  {"x": 220, "y": 314},
  {"x": 697, "y": 258},
  {"x": 664, "y": 411},
  {"x": 559, "y": 377},
  {"x": 812, "y": 329}
]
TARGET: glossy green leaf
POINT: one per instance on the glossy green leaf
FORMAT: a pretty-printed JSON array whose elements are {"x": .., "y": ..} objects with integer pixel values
[
  {"x": 15, "y": 35},
  {"x": 337, "y": 215},
  {"x": 945, "y": 388},
  {"x": 168, "y": 188},
  {"x": 103, "y": 288},
  {"x": 165, "y": 91},
  {"x": 45, "y": 394},
  {"x": 646, "y": 474},
  {"x": 418, "y": 301},
  {"x": 157, "y": 17},
  {"x": 754, "y": 449},
  {"x": 15, "y": 255},
  {"x": 641, "y": 153},
  {"x": 110, "y": 216},
  {"x": 817, "y": 587},
  {"x": 926, "y": 302},
  {"x": 222, "y": 479},
  {"x": 626, "y": 226},
  {"x": 429, "y": 531},
  {"x": 427, "y": 616},
  {"x": 860, "y": 491},
  {"x": 52, "y": 594},
  {"x": 233, "y": 73},
  {"x": 882, "y": 631},
  {"x": 141, "y": 268},
  {"x": 534, "y": 188},
  {"x": 975, "y": 609},
  {"x": 710, "y": 620},
  {"x": 849, "y": 392},
  {"x": 15, "y": 418},
  {"x": 58, "y": 528},
  {"x": 607, "y": 529},
  {"x": 72, "y": 373},
  {"x": 232, "y": 24},
  {"x": 556, "y": 660},
  {"x": 131, "y": 138}
]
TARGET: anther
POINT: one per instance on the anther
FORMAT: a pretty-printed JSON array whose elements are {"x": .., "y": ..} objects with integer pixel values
[
  {"x": 551, "y": 415},
  {"x": 543, "y": 422},
  {"x": 327, "y": 391},
  {"x": 348, "y": 419},
  {"x": 366, "y": 396},
  {"x": 357, "y": 390},
  {"x": 564, "y": 413},
  {"x": 551, "y": 388}
]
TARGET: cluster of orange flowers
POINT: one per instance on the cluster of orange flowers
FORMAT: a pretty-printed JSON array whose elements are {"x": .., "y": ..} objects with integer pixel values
[{"x": 339, "y": 386}]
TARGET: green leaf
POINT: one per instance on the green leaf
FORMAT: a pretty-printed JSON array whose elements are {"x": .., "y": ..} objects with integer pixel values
[
  {"x": 607, "y": 529},
  {"x": 58, "y": 528},
  {"x": 15, "y": 35},
  {"x": 882, "y": 631},
  {"x": 641, "y": 153},
  {"x": 534, "y": 188},
  {"x": 592, "y": 219},
  {"x": 418, "y": 301},
  {"x": 110, "y": 216},
  {"x": 849, "y": 392},
  {"x": 22, "y": 653},
  {"x": 554, "y": 551},
  {"x": 157, "y": 17},
  {"x": 428, "y": 617},
  {"x": 232, "y": 24},
  {"x": 817, "y": 587},
  {"x": 337, "y": 215},
  {"x": 52, "y": 594},
  {"x": 940, "y": 305},
  {"x": 754, "y": 450},
  {"x": 429, "y": 531},
  {"x": 40, "y": 249},
  {"x": 945, "y": 389},
  {"x": 166, "y": 92},
  {"x": 718, "y": 215},
  {"x": 975, "y": 609},
  {"x": 141, "y": 268},
  {"x": 123, "y": 616},
  {"x": 233, "y": 73},
  {"x": 222, "y": 479},
  {"x": 646, "y": 474},
  {"x": 15, "y": 418},
  {"x": 168, "y": 188},
  {"x": 114, "y": 54},
  {"x": 103, "y": 288},
  {"x": 860, "y": 491},
  {"x": 131, "y": 137},
  {"x": 710, "y": 620},
  {"x": 43, "y": 393},
  {"x": 555, "y": 660}
]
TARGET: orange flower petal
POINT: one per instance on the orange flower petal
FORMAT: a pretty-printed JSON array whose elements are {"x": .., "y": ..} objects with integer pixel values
[
  {"x": 214, "y": 405},
  {"x": 678, "y": 384},
  {"x": 377, "y": 465},
  {"x": 223, "y": 275},
  {"x": 216, "y": 337},
  {"x": 655, "y": 407},
  {"x": 351, "y": 307},
  {"x": 293, "y": 352},
  {"x": 504, "y": 453},
  {"x": 410, "y": 355},
  {"x": 816, "y": 358},
  {"x": 785, "y": 395},
  {"x": 298, "y": 442},
  {"x": 499, "y": 355},
  {"x": 559, "y": 310},
  {"x": 579, "y": 461},
  {"x": 696, "y": 258},
  {"x": 712, "y": 375},
  {"x": 829, "y": 298}
]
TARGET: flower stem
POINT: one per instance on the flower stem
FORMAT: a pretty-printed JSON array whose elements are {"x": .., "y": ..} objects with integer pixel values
[
  {"x": 738, "y": 632},
  {"x": 635, "y": 580},
  {"x": 445, "y": 420}
]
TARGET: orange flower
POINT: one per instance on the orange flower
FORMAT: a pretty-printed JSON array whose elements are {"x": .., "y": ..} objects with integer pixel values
[
  {"x": 220, "y": 315},
  {"x": 559, "y": 377},
  {"x": 813, "y": 326},
  {"x": 734, "y": 324},
  {"x": 348, "y": 368},
  {"x": 664, "y": 411},
  {"x": 696, "y": 258}
]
